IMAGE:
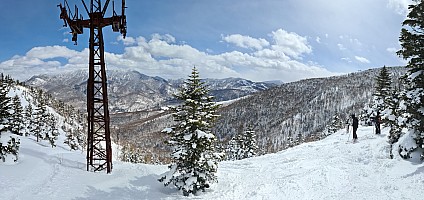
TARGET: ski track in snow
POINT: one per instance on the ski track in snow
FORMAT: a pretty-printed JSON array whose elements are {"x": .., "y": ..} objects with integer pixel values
[{"x": 328, "y": 169}]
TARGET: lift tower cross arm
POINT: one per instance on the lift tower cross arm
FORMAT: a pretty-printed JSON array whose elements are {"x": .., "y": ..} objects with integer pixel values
[{"x": 99, "y": 150}]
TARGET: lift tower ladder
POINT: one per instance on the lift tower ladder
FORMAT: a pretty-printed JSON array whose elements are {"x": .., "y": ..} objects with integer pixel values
[{"x": 99, "y": 150}]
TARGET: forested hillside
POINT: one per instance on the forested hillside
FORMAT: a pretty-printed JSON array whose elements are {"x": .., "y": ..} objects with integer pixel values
[
  {"x": 299, "y": 109},
  {"x": 30, "y": 112}
]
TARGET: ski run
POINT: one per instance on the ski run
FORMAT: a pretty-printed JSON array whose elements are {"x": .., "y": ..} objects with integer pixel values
[{"x": 328, "y": 169}]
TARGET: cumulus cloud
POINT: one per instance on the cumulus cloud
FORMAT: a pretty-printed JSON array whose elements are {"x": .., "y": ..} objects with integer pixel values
[
  {"x": 162, "y": 55},
  {"x": 127, "y": 40},
  {"x": 291, "y": 44},
  {"x": 362, "y": 59},
  {"x": 246, "y": 41},
  {"x": 44, "y": 60},
  {"x": 49, "y": 52}
]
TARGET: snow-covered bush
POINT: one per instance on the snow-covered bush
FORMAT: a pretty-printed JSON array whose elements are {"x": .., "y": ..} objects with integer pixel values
[{"x": 12, "y": 148}]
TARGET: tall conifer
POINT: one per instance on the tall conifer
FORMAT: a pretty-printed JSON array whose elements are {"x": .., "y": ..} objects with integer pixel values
[
  {"x": 193, "y": 156},
  {"x": 412, "y": 42}
]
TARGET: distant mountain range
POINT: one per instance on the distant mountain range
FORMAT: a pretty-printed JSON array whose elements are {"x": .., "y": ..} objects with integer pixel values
[{"x": 130, "y": 91}]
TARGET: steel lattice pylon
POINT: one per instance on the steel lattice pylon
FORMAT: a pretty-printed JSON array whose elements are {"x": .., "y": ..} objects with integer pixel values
[{"x": 99, "y": 150}]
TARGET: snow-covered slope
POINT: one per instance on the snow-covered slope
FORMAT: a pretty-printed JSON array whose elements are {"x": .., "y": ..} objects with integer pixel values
[{"x": 328, "y": 169}]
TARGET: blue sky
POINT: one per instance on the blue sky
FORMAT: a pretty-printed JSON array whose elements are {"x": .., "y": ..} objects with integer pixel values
[{"x": 262, "y": 40}]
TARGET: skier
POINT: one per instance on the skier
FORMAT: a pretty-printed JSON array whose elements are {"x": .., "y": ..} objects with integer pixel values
[
  {"x": 377, "y": 121},
  {"x": 347, "y": 126},
  {"x": 355, "y": 127}
]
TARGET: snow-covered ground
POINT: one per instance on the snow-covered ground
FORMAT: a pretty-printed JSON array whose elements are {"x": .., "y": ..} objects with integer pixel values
[{"x": 328, "y": 169}]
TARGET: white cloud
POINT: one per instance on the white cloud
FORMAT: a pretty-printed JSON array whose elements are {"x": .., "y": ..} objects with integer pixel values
[
  {"x": 290, "y": 44},
  {"x": 362, "y": 59},
  {"x": 246, "y": 41},
  {"x": 49, "y": 52},
  {"x": 127, "y": 40},
  {"x": 341, "y": 47},
  {"x": 318, "y": 39},
  {"x": 163, "y": 56},
  {"x": 167, "y": 38},
  {"x": 346, "y": 59}
]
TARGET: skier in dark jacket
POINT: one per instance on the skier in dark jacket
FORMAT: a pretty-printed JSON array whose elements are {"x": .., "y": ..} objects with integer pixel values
[
  {"x": 355, "y": 126},
  {"x": 377, "y": 122}
]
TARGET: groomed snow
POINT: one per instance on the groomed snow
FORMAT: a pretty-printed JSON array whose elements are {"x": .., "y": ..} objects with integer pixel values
[{"x": 328, "y": 169}]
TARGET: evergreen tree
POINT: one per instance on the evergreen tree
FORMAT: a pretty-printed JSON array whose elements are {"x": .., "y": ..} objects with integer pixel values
[
  {"x": 71, "y": 140},
  {"x": 194, "y": 158},
  {"x": 335, "y": 125},
  {"x": 412, "y": 42},
  {"x": 233, "y": 148},
  {"x": 40, "y": 118},
  {"x": 299, "y": 139},
  {"x": 290, "y": 140},
  {"x": 17, "y": 118},
  {"x": 382, "y": 90},
  {"x": 4, "y": 105},
  {"x": 28, "y": 119},
  {"x": 242, "y": 145},
  {"x": 392, "y": 114},
  {"x": 51, "y": 132},
  {"x": 249, "y": 143}
]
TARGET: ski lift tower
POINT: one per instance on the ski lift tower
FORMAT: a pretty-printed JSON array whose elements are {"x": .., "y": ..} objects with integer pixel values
[{"x": 99, "y": 150}]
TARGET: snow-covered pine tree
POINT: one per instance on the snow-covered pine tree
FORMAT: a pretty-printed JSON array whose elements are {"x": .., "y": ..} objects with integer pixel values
[
  {"x": 44, "y": 126},
  {"x": 299, "y": 139},
  {"x": 242, "y": 145},
  {"x": 71, "y": 140},
  {"x": 17, "y": 118},
  {"x": 412, "y": 42},
  {"x": 382, "y": 90},
  {"x": 4, "y": 105},
  {"x": 28, "y": 119},
  {"x": 40, "y": 118},
  {"x": 290, "y": 140},
  {"x": 232, "y": 148},
  {"x": 194, "y": 160},
  {"x": 335, "y": 125},
  {"x": 250, "y": 146},
  {"x": 391, "y": 114},
  {"x": 51, "y": 132}
]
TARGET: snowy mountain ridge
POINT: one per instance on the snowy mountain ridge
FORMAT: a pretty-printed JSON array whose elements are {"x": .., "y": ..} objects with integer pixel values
[{"x": 131, "y": 91}]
